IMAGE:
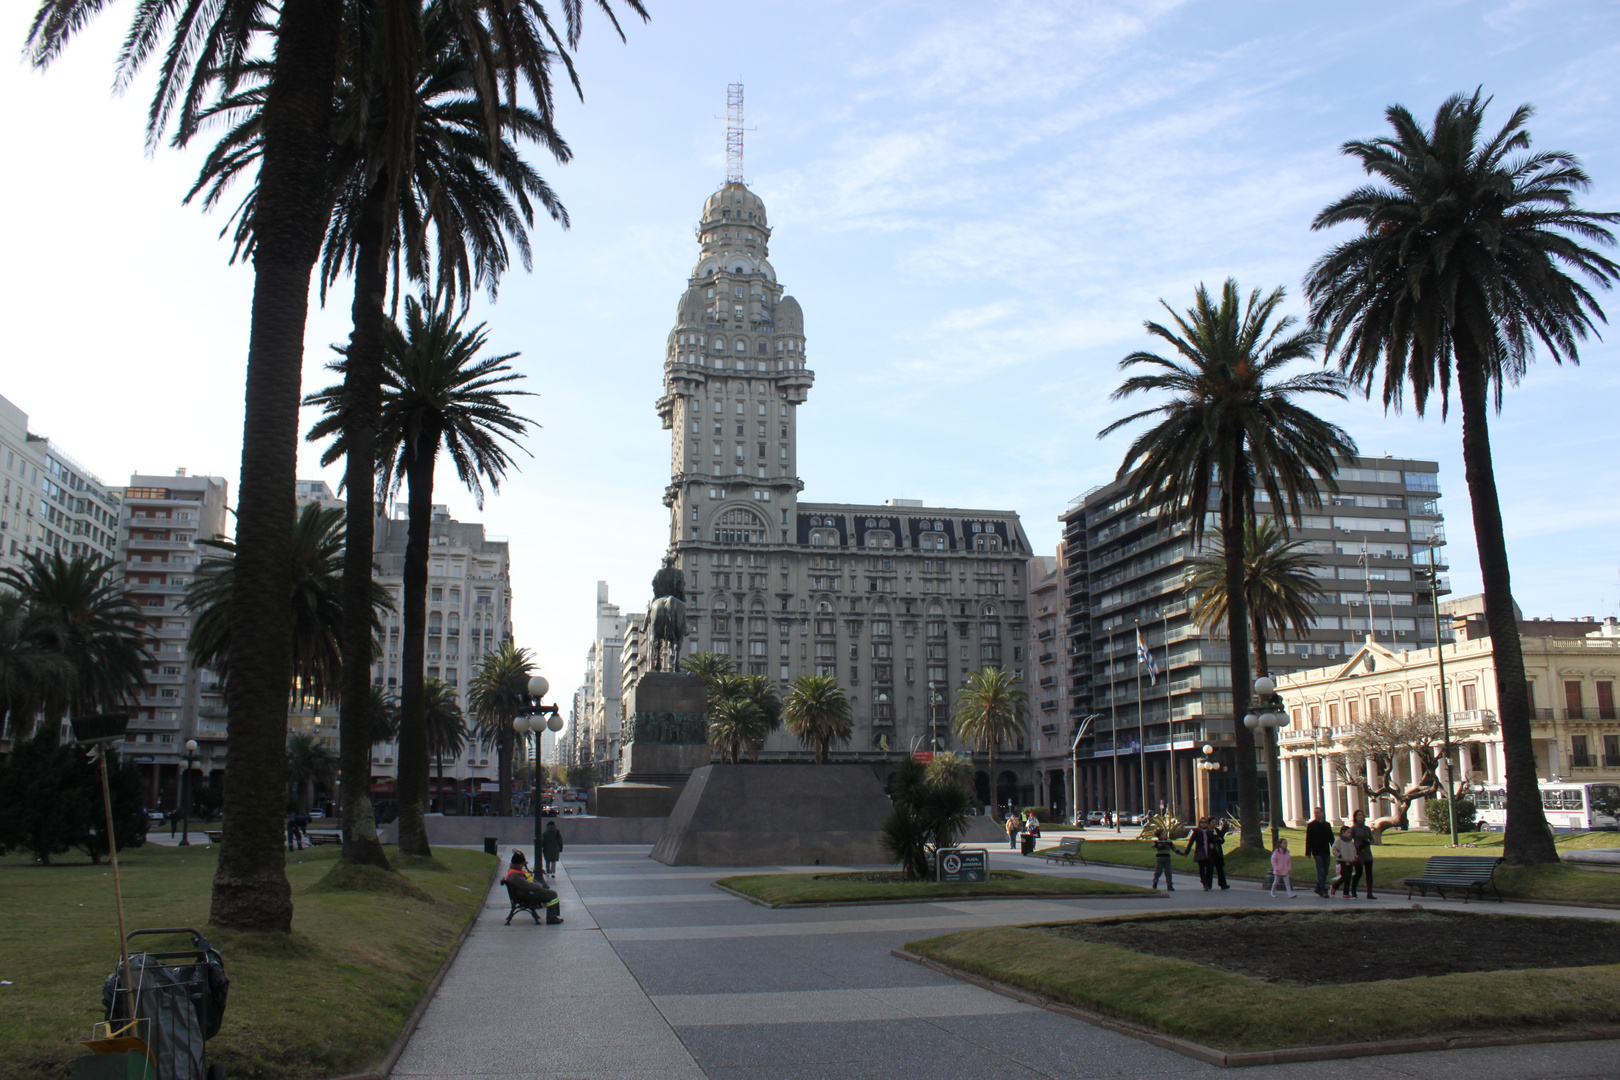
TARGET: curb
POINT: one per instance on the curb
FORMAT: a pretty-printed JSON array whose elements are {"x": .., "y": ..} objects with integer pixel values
[
  {"x": 937, "y": 899},
  {"x": 391, "y": 1059},
  {"x": 1246, "y": 1059}
]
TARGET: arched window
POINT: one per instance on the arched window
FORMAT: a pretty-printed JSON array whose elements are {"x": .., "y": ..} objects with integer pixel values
[
  {"x": 824, "y": 608},
  {"x": 740, "y": 525},
  {"x": 719, "y": 344},
  {"x": 988, "y": 542},
  {"x": 742, "y": 346},
  {"x": 720, "y": 607},
  {"x": 880, "y": 539},
  {"x": 989, "y": 611},
  {"x": 932, "y": 541}
]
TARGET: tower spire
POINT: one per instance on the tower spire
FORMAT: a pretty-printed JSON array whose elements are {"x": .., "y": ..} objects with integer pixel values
[{"x": 734, "y": 133}]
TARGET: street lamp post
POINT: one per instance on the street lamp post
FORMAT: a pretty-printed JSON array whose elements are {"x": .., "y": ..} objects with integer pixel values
[
  {"x": 532, "y": 719},
  {"x": 1080, "y": 730},
  {"x": 185, "y": 793},
  {"x": 1274, "y": 717},
  {"x": 1206, "y": 764},
  {"x": 1445, "y": 704}
]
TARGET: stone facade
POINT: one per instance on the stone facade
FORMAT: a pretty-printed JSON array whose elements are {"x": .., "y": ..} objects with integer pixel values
[{"x": 898, "y": 600}]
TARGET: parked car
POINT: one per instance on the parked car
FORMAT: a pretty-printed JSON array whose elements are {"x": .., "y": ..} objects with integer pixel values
[
  {"x": 157, "y": 815},
  {"x": 1095, "y": 817}
]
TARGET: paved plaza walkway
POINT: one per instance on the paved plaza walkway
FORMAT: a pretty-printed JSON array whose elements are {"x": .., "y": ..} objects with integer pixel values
[{"x": 655, "y": 974}]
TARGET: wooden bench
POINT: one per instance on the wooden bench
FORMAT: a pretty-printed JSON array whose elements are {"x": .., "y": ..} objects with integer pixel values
[
  {"x": 1067, "y": 852},
  {"x": 318, "y": 838},
  {"x": 1464, "y": 873}
]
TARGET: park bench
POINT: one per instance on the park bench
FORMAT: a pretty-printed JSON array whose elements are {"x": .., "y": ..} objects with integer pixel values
[
  {"x": 1463, "y": 873},
  {"x": 1067, "y": 852},
  {"x": 216, "y": 835},
  {"x": 318, "y": 838}
]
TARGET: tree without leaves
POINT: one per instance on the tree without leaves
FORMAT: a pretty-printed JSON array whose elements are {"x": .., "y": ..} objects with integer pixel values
[
  {"x": 1232, "y": 424},
  {"x": 1465, "y": 261},
  {"x": 989, "y": 711},
  {"x": 1383, "y": 740},
  {"x": 437, "y": 394},
  {"x": 496, "y": 694},
  {"x": 817, "y": 712}
]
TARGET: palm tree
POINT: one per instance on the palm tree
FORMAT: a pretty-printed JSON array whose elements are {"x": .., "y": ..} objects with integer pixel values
[
  {"x": 318, "y": 558},
  {"x": 510, "y": 44},
  {"x": 1232, "y": 424},
  {"x": 496, "y": 693},
  {"x": 382, "y": 712},
  {"x": 34, "y": 677},
  {"x": 1471, "y": 252},
  {"x": 309, "y": 761},
  {"x": 438, "y": 393},
  {"x": 736, "y": 724},
  {"x": 989, "y": 710},
  {"x": 446, "y": 731},
  {"x": 1279, "y": 587},
  {"x": 83, "y": 615},
  {"x": 710, "y": 667},
  {"x": 760, "y": 692},
  {"x": 818, "y": 713}
]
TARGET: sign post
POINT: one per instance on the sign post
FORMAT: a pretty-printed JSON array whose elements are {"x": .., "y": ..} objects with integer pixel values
[{"x": 959, "y": 865}]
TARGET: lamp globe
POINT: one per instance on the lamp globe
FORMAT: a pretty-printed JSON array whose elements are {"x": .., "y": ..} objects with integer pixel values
[
  {"x": 1264, "y": 685},
  {"x": 538, "y": 686},
  {"x": 555, "y": 723}
]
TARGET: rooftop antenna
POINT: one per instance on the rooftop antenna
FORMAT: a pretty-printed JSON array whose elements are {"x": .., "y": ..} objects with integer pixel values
[{"x": 734, "y": 133}]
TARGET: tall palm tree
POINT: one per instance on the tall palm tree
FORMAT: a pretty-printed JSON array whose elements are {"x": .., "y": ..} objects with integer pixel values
[
  {"x": 1471, "y": 250},
  {"x": 1232, "y": 425},
  {"x": 1279, "y": 587},
  {"x": 438, "y": 394},
  {"x": 760, "y": 692},
  {"x": 511, "y": 44},
  {"x": 498, "y": 690},
  {"x": 309, "y": 762},
  {"x": 446, "y": 730},
  {"x": 736, "y": 724},
  {"x": 817, "y": 712},
  {"x": 34, "y": 677},
  {"x": 381, "y": 711},
  {"x": 710, "y": 667},
  {"x": 990, "y": 710},
  {"x": 318, "y": 557},
  {"x": 443, "y": 211},
  {"x": 84, "y": 615}
]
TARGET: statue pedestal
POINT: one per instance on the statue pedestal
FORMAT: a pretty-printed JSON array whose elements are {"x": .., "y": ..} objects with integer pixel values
[{"x": 666, "y": 736}]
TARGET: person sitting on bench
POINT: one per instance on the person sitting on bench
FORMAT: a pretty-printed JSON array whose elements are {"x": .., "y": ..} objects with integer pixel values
[{"x": 528, "y": 892}]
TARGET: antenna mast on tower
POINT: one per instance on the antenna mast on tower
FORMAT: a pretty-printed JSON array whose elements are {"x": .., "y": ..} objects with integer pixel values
[{"x": 734, "y": 133}]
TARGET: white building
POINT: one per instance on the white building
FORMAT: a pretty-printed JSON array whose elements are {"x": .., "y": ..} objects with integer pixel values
[{"x": 48, "y": 501}]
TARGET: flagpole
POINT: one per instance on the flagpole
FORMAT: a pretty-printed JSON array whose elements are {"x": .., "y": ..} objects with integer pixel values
[{"x": 1141, "y": 728}]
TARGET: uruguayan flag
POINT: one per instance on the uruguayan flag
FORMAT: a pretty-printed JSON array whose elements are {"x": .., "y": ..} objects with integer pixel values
[{"x": 1144, "y": 656}]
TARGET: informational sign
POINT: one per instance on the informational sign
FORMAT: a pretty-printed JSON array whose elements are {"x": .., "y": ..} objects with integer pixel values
[
  {"x": 144, "y": 759},
  {"x": 960, "y": 865},
  {"x": 489, "y": 785},
  {"x": 923, "y": 757}
]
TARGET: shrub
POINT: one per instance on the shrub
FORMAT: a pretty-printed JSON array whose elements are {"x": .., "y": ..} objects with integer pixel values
[
  {"x": 1042, "y": 814},
  {"x": 1439, "y": 816},
  {"x": 927, "y": 815},
  {"x": 52, "y": 800}
]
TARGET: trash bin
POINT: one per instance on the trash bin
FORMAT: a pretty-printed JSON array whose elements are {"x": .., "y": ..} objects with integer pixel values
[
  {"x": 1026, "y": 843},
  {"x": 489, "y": 846}
]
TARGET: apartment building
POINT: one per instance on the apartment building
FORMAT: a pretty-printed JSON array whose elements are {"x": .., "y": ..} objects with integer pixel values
[
  {"x": 48, "y": 501},
  {"x": 161, "y": 522},
  {"x": 1125, "y": 578}
]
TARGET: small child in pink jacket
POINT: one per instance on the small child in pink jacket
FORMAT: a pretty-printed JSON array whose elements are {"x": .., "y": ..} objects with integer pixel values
[{"x": 1282, "y": 868}]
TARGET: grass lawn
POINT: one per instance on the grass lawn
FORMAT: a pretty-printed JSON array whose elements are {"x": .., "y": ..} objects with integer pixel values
[
  {"x": 1237, "y": 1012},
  {"x": 782, "y": 890},
  {"x": 1401, "y": 855},
  {"x": 329, "y": 999}
]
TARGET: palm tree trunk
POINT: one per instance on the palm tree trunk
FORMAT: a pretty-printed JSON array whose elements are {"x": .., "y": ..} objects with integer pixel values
[
  {"x": 504, "y": 744},
  {"x": 1526, "y": 840},
  {"x": 250, "y": 890},
  {"x": 1237, "y": 628},
  {"x": 413, "y": 752},
  {"x": 362, "y": 387}
]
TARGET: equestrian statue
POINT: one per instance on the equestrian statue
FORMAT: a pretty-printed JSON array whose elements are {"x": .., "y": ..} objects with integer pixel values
[{"x": 666, "y": 616}]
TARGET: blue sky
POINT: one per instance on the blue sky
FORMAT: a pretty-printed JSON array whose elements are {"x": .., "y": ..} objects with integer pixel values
[{"x": 976, "y": 205}]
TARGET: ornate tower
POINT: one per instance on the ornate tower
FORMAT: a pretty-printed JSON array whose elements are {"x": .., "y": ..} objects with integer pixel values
[{"x": 734, "y": 377}]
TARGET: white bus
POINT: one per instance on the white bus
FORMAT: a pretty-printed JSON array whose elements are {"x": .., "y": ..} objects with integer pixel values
[{"x": 1569, "y": 807}]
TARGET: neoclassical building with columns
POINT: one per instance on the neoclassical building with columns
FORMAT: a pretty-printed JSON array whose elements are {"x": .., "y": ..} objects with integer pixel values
[
  {"x": 898, "y": 600},
  {"x": 1572, "y": 682}
]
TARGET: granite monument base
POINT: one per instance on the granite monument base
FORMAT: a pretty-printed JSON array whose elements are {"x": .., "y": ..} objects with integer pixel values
[
  {"x": 767, "y": 815},
  {"x": 665, "y": 738}
]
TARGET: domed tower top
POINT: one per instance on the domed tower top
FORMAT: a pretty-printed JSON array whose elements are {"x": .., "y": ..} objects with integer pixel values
[{"x": 734, "y": 220}]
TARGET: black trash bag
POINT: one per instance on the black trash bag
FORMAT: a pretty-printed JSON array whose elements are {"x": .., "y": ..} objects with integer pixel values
[
  {"x": 173, "y": 1032},
  {"x": 216, "y": 986}
]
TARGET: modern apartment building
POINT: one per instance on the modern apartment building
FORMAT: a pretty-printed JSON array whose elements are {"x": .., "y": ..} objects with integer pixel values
[
  {"x": 48, "y": 501},
  {"x": 161, "y": 522},
  {"x": 598, "y": 696},
  {"x": 469, "y": 613},
  {"x": 1051, "y": 743},
  {"x": 1125, "y": 576},
  {"x": 899, "y": 601}
]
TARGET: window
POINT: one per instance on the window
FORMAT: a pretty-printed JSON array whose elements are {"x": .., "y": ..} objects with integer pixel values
[
  {"x": 1573, "y": 706},
  {"x": 1352, "y": 711},
  {"x": 1422, "y": 481},
  {"x": 1418, "y": 700},
  {"x": 1470, "y": 696},
  {"x": 1605, "y": 700}
]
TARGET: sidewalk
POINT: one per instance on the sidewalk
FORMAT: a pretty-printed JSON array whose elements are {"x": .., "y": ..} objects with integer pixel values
[{"x": 655, "y": 974}]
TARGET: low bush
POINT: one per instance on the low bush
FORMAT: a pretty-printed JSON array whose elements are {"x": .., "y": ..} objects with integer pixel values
[{"x": 1438, "y": 814}]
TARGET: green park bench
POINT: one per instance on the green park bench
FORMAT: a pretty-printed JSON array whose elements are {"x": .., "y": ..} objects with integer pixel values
[
  {"x": 1067, "y": 852},
  {"x": 1463, "y": 873}
]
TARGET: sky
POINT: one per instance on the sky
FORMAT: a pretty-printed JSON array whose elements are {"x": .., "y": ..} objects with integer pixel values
[{"x": 977, "y": 206}]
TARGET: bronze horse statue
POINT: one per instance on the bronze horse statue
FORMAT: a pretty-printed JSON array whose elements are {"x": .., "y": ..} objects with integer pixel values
[{"x": 666, "y": 616}]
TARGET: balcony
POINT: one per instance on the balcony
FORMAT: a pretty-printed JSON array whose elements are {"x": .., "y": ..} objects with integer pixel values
[{"x": 159, "y": 545}]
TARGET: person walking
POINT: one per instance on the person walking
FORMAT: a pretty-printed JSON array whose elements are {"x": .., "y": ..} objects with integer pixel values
[
  {"x": 1319, "y": 846},
  {"x": 522, "y": 885},
  {"x": 1012, "y": 832},
  {"x": 1344, "y": 850},
  {"x": 1217, "y": 850},
  {"x": 1282, "y": 869},
  {"x": 1198, "y": 849},
  {"x": 551, "y": 845},
  {"x": 174, "y": 821},
  {"x": 1162, "y": 848},
  {"x": 1363, "y": 837},
  {"x": 293, "y": 835}
]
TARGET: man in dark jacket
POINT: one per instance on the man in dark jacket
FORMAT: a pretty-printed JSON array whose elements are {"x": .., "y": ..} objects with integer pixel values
[{"x": 1319, "y": 846}]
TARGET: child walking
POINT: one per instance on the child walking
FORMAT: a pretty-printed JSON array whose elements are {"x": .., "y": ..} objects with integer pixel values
[
  {"x": 1162, "y": 847},
  {"x": 1282, "y": 869},
  {"x": 1344, "y": 850}
]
